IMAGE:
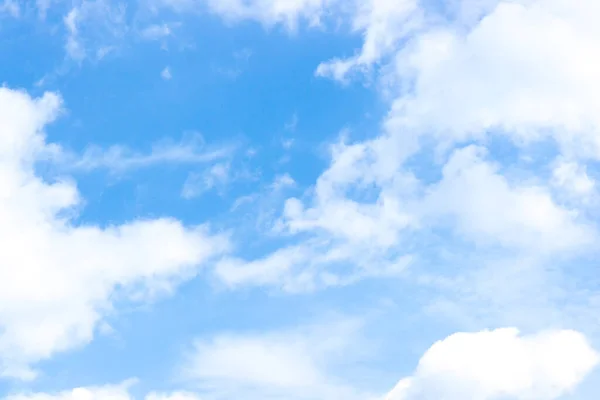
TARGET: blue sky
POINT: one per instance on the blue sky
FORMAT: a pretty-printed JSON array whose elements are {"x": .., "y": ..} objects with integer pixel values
[{"x": 299, "y": 199}]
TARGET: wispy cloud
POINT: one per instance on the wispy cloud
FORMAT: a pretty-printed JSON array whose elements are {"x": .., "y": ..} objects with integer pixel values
[
  {"x": 10, "y": 7},
  {"x": 92, "y": 27},
  {"x": 166, "y": 74},
  {"x": 156, "y": 31},
  {"x": 196, "y": 184},
  {"x": 118, "y": 158},
  {"x": 291, "y": 364}
]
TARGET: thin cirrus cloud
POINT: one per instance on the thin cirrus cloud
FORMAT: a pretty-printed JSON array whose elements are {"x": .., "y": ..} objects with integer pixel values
[{"x": 191, "y": 150}]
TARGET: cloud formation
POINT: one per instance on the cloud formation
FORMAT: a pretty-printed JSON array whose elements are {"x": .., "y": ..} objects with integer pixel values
[
  {"x": 500, "y": 364},
  {"x": 60, "y": 278},
  {"x": 474, "y": 88}
]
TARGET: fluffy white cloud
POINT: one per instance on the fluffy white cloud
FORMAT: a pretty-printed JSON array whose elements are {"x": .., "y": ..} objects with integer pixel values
[
  {"x": 59, "y": 277},
  {"x": 481, "y": 68},
  {"x": 464, "y": 78},
  {"x": 500, "y": 364},
  {"x": 573, "y": 178},
  {"x": 528, "y": 69},
  {"x": 488, "y": 208}
]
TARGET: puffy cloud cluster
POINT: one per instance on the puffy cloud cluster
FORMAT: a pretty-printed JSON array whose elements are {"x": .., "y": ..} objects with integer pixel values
[
  {"x": 500, "y": 364},
  {"x": 60, "y": 277},
  {"x": 459, "y": 75}
]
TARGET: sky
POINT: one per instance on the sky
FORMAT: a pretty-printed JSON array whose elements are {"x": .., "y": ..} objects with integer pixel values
[{"x": 299, "y": 200}]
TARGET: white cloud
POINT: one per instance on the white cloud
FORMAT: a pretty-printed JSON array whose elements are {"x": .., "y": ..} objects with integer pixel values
[
  {"x": 368, "y": 235},
  {"x": 155, "y": 32},
  {"x": 290, "y": 364},
  {"x": 117, "y": 158},
  {"x": 53, "y": 299},
  {"x": 488, "y": 208},
  {"x": 573, "y": 178},
  {"x": 282, "y": 182},
  {"x": 528, "y": 69},
  {"x": 271, "y": 12},
  {"x": 312, "y": 264},
  {"x": 298, "y": 363},
  {"x": 93, "y": 27},
  {"x": 500, "y": 364},
  {"x": 292, "y": 124},
  {"x": 463, "y": 78},
  {"x": 196, "y": 184},
  {"x": 377, "y": 221},
  {"x": 166, "y": 74},
  {"x": 382, "y": 23},
  {"x": 73, "y": 47},
  {"x": 108, "y": 392}
]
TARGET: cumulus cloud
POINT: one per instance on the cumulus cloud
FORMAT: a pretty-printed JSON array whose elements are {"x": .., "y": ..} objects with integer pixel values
[
  {"x": 500, "y": 364},
  {"x": 527, "y": 69},
  {"x": 488, "y": 208},
  {"x": 455, "y": 85},
  {"x": 60, "y": 278},
  {"x": 517, "y": 71},
  {"x": 573, "y": 178}
]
